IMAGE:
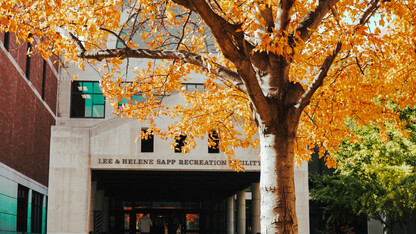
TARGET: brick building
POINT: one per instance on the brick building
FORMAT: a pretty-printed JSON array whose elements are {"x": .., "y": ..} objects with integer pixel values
[{"x": 28, "y": 87}]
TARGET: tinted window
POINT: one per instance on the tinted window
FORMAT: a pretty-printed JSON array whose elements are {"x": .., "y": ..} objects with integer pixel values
[
  {"x": 180, "y": 143},
  {"x": 213, "y": 142},
  {"x": 147, "y": 143},
  {"x": 36, "y": 215},
  {"x": 87, "y": 100},
  {"x": 22, "y": 207}
]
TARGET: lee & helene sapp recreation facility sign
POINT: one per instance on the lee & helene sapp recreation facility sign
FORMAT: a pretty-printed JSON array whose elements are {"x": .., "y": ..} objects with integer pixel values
[{"x": 167, "y": 162}]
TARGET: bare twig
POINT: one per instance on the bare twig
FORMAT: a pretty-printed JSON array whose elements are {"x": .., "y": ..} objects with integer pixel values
[{"x": 116, "y": 35}]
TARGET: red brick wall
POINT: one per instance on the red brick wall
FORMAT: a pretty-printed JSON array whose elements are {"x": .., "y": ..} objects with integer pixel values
[
  {"x": 25, "y": 122},
  {"x": 18, "y": 51},
  {"x": 36, "y": 68}
]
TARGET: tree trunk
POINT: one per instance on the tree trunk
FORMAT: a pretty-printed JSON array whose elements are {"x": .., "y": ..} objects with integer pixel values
[
  {"x": 277, "y": 186},
  {"x": 389, "y": 225}
]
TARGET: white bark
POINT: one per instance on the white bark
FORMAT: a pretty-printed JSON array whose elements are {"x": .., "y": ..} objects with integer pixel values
[{"x": 278, "y": 212}]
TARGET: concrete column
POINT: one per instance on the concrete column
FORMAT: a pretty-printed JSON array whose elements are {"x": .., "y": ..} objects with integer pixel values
[
  {"x": 106, "y": 214},
  {"x": 29, "y": 211},
  {"x": 255, "y": 196},
  {"x": 99, "y": 210},
  {"x": 99, "y": 200},
  {"x": 302, "y": 198},
  {"x": 374, "y": 227},
  {"x": 230, "y": 214},
  {"x": 69, "y": 181},
  {"x": 44, "y": 207},
  {"x": 93, "y": 195},
  {"x": 241, "y": 212}
]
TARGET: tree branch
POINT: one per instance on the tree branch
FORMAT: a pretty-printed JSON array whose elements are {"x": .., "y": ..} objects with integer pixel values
[
  {"x": 371, "y": 9},
  {"x": 311, "y": 21},
  {"x": 220, "y": 28},
  {"x": 183, "y": 55},
  {"x": 234, "y": 48},
  {"x": 283, "y": 14},
  {"x": 116, "y": 35},
  {"x": 78, "y": 41},
  {"x": 317, "y": 81},
  {"x": 183, "y": 29}
]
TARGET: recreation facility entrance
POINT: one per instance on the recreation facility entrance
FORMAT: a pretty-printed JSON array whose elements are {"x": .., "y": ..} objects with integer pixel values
[
  {"x": 165, "y": 220},
  {"x": 176, "y": 201},
  {"x": 102, "y": 181}
]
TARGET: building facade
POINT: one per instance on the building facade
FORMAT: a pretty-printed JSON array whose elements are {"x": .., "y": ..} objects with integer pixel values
[
  {"x": 104, "y": 180},
  {"x": 28, "y": 87}
]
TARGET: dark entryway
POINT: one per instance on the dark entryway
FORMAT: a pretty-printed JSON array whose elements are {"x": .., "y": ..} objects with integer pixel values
[
  {"x": 165, "y": 221},
  {"x": 192, "y": 201}
]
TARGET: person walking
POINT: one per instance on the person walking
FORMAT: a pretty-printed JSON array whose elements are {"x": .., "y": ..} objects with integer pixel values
[{"x": 145, "y": 223}]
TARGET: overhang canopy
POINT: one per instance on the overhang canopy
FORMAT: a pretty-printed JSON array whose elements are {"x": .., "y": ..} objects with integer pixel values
[{"x": 172, "y": 185}]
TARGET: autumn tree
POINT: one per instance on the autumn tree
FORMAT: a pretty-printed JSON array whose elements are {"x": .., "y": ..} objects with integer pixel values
[
  {"x": 375, "y": 176},
  {"x": 291, "y": 71}
]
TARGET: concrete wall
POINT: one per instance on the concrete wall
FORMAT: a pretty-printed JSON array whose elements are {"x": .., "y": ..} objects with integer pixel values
[
  {"x": 111, "y": 145},
  {"x": 69, "y": 181},
  {"x": 302, "y": 197},
  {"x": 376, "y": 227},
  {"x": 79, "y": 145}
]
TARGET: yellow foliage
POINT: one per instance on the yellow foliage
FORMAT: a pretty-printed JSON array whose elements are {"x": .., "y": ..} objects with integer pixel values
[{"x": 375, "y": 66}]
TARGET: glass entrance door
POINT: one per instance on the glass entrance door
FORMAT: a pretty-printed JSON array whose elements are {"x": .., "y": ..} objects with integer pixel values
[
  {"x": 165, "y": 221},
  {"x": 192, "y": 225},
  {"x": 168, "y": 221},
  {"x": 131, "y": 219},
  {"x": 127, "y": 222},
  {"x": 159, "y": 223}
]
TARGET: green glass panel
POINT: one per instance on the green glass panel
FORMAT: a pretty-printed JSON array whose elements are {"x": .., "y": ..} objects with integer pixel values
[
  {"x": 8, "y": 205},
  {"x": 98, "y": 111},
  {"x": 119, "y": 43},
  {"x": 88, "y": 106},
  {"x": 88, "y": 111},
  {"x": 7, "y": 222},
  {"x": 44, "y": 210},
  {"x": 96, "y": 88},
  {"x": 123, "y": 101},
  {"x": 137, "y": 98},
  {"x": 87, "y": 87},
  {"x": 97, "y": 99}
]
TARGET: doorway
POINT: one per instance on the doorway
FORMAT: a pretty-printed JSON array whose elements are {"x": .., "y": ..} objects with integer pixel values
[{"x": 165, "y": 221}]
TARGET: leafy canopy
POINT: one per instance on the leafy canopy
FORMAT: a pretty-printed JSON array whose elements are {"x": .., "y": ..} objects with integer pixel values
[
  {"x": 376, "y": 176},
  {"x": 375, "y": 43}
]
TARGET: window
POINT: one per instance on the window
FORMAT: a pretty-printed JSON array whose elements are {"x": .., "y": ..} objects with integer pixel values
[
  {"x": 180, "y": 143},
  {"x": 22, "y": 206},
  {"x": 213, "y": 142},
  {"x": 87, "y": 100},
  {"x": 134, "y": 98},
  {"x": 147, "y": 142},
  {"x": 6, "y": 40},
  {"x": 43, "y": 79},
  {"x": 29, "y": 48},
  {"x": 194, "y": 86},
  {"x": 36, "y": 215},
  {"x": 192, "y": 223}
]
